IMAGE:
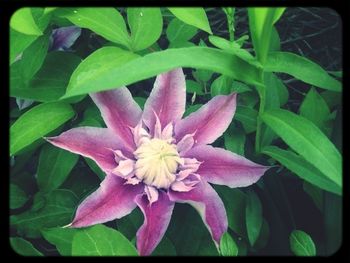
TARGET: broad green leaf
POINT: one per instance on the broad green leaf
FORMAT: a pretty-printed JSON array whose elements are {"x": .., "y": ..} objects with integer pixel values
[
  {"x": 146, "y": 26},
  {"x": 301, "y": 68},
  {"x": 194, "y": 87},
  {"x": 194, "y": 16},
  {"x": 128, "y": 225},
  {"x": 315, "y": 109},
  {"x": 302, "y": 168},
  {"x": 301, "y": 244},
  {"x": 23, "y": 247},
  {"x": 234, "y": 139},
  {"x": 228, "y": 246},
  {"x": 33, "y": 58},
  {"x": 180, "y": 31},
  {"x": 48, "y": 10},
  {"x": 106, "y": 22},
  {"x": 100, "y": 240},
  {"x": 22, "y": 21},
  {"x": 261, "y": 20},
  {"x": 253, "y": 213},
  {"x": 315, "y": 193},
  {"x": 247, "y": 116},
  {"x": 54, "y": 166},
  {"x": 307, "y": 140},
  {"x": 235, "y": 203},
  {"x": 50, "y": 82},
  {"x": 331, "y": 98},
  {"x": 275, "y": 42},
  {"x": 18, "y": 43},
  {"x": 37, "y": 122},
  {"x": 17, "y": 196},
  {"x": 165, "y": 248},
  {"x": 107, "y": 67},
  {"x": 264, "y": 235},
  {"x": 202, "y": 75},
  {"x": 181, "y": 44},
  {"x": 51, "y": 210},
  {"x": 93, "y": 166},
  {"x": 61, "y": 238},
  {"x": 140, "y": 101}
]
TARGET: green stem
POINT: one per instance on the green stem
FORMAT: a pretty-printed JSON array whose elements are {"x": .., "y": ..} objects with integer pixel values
[
  {"x": 262, "y": 96},
  {"x": 230, "y": 16}
]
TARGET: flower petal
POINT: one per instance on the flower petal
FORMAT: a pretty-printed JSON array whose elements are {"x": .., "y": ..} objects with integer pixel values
[
  {"x": 113, "y": 199},
  {"x": 120, "y": 112},
  {"x": 209, "y": 205},
  {"x": 210, "y": 121},
  {"x": 64, "y": 37},
  {"x": 167, "y": 99},
  {"x": 95, "y": 143},
  {"x": 224, "y": 167},
  {"x": 157, "y": 217}
]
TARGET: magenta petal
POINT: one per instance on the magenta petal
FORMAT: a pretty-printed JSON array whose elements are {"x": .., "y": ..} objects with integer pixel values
[
  {"x": 224, "y": 167},
  {"x": 167, "y": 99},
  {"x": 157, "y": 217},
  {"x": 120, "y": 112},
  {"x": 209, "y": 205},
  {"x": 113, "y": 199},
  {"x": 95, "y": 143},
  {"x": 210, "y": 121}
]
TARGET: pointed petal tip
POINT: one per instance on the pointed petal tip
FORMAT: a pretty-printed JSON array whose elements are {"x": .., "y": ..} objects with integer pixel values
[{"x": 67, "y": 226}]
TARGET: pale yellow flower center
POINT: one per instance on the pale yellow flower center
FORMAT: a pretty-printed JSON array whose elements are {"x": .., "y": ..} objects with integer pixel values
[{"x": 157, "y": 162}]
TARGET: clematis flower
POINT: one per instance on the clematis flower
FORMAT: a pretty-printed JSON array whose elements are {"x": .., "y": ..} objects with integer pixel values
[
  {"x": 64, "y": 37},
  {"x": 153, "y": 159}
]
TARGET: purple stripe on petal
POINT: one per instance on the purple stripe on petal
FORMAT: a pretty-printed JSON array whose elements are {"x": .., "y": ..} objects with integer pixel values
[
  {"x": 112, "y": 200},
  {"x": 120, "y": 112},
  {"x": 209, "y": 205},
  {"x": 167, "y": 99},
  {"x": 64, "y": 37},
  {"x": 95, "y": 143},
  {"x": 156, "y": 220},
  {"x": 210, "y": 121},
  {"x": 224, "y": 167}
]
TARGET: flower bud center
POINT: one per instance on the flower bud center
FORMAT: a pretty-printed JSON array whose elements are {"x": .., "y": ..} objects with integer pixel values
[{"x": 157, "y": 162}]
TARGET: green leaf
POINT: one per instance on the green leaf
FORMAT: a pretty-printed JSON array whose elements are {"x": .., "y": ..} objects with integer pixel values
[
  {"x": 261, "y": 22},
  {"x": 194, "y": 16},
  {"x": 315, "y": 193},
  {"x": 18, "y": 43},
  {"x": 37, "y": 122},
  {"x": 301, "y": 244},
  {"x": 17, "y": 196},
  {"x": 98, "y": 71},
  {"x": 228, "y": 246},
  {"x": 106, "y": 22},
  {"x": 307, "y": 140},
  {"x": 61, "y": 238},
  {"x": 95, "y": 168},
  {"x": 165, "y": 248},
  {"x": 275, "y": 43},
  {"x": 54, "y": 166},
  {"x": 315, "y": 109},
  {"x": 253, "y": 213},
  {"x": 100, "y": 240},
  {"x": 332, "y": 98},
  {"x": 179, "y": 31},
  {"x": 301, "y": 68},
  {"x": 302, "y": 168},
  {"x": 146, "y": 26},
  {"x": 191, "y": 109},
  {"x": 180, "y": 44},
  {"x": 264, "y": 235},
  {"x": 23, "y": 247},
  {"x": 234, "y": 139},
  {"x": 22, "y": 21},
  {"x": 51, "y": 210},
  {"x": 194, "y": 87},
  {"x": 247, "y": 116}
]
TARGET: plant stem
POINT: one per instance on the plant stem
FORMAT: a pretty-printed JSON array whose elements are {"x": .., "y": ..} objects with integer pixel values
[
  {"x": 262, "y": 95},
  {"x": 230, "y": 16}
]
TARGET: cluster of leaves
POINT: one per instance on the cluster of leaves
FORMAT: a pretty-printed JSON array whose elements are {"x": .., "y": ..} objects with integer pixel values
[{"x": 123, "y": 46}]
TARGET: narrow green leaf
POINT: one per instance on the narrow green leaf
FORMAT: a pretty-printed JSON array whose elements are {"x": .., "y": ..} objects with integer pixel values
[
  {"x": 100, "y": 240},
  {"x": 48, "y": 210},
  {"x": 301, "y": 244},
  {"x": 107, "y": 22},
  {"x": 23, "y": 247},
  {"x": 22, "y": 21},
  {"x": 301, "y": 68},
  {"x": 315, "y": 109},
  {"x": 307, "y": 140},
  {"x": 247, "y": 116},
  {"x": 61, "y": 238},
  {"x": 37, "y": 122},
  {"x": 302, "y": 168},
  {"x": 194, "y": 16},
  {"x": 146, "y": 26},
  {"x": 107, "y": 67},
  {"x": 18, "y": 43},
  {"x": 54, "y": 167},
  {"x": 180, "y": 31},
  {"x": 264, "y": 235},
  {"x": 17, "y": 196},
  {"x": 228, "y": 246},
  {"x": 253, "y": 213},
  {"x": 234, "y": 139},
  {"x": 194, "y": 87},
  {"x": 315, "y": 193}
]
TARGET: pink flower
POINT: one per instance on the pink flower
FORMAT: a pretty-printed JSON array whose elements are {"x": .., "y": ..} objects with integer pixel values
[{"x": 153, "y": 159}]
